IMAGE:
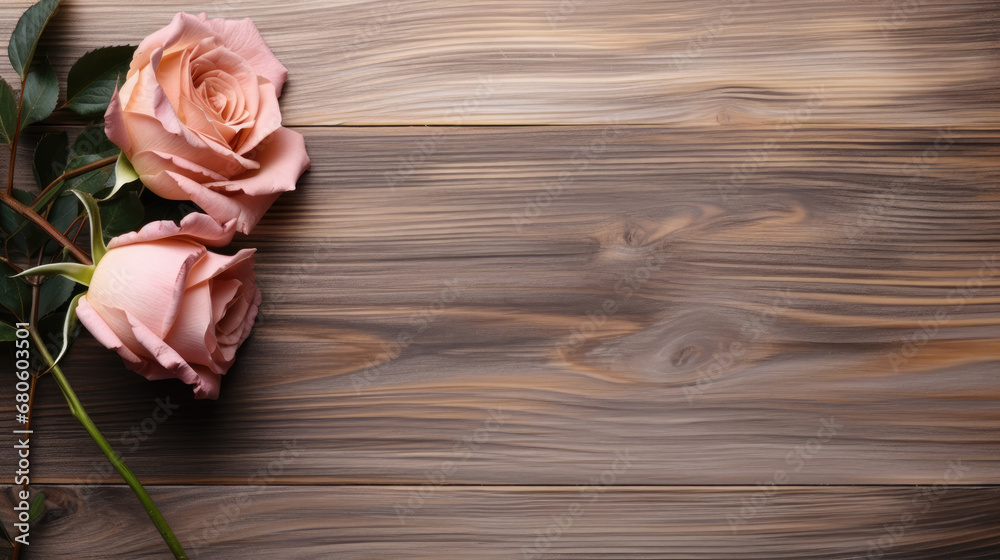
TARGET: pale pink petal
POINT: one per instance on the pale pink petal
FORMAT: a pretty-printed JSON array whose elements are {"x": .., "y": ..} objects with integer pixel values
[
  {"x": 147, "y": 280},
  {"x": 104, "y": 333},
  {"x": 223, "y": 292},
  {"x": 266, "y": 123},
  {"x": 243, "y": 38},
  {"x": 114, "y": 124},
  {"x": 193, "y": 332},
  {"x": 206, "y": 383},
  {"x": 195, "y": 227},
  {"x": 213, "y": 265},
  {"x": 184, "y": 31},
  {"x": 224, "y": 206},
  {"x": 146, "y": 134}
]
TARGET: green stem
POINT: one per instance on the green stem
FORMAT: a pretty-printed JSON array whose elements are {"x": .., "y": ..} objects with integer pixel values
[{"x": 80, "y": 414}]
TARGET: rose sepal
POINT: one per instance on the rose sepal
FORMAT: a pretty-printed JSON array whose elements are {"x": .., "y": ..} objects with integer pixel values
[
  {"x": 97, "y": 246},
  {"x": 68, "y": 325},
  {"x": 79, "y": 273}
]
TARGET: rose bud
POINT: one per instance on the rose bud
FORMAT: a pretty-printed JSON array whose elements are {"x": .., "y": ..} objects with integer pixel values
[
  {"x": 198, "y": 119},
  {"x": 170, "y": 307}
]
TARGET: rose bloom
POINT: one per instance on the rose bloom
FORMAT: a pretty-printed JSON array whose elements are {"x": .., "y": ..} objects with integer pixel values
[
  {"x": 198, "y": 118},
  {"x": 170, "y": 307}
]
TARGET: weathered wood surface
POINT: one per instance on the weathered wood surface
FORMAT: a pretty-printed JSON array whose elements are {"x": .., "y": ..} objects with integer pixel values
[
  {"x": 705, "y": 62},
  {"x": 797, "y": 262},
  {"x": 362, "y": 523},
  {"x": 756, "y": 313}
]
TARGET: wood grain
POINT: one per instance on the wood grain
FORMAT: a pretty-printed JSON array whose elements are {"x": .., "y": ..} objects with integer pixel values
[
  {"x": 717, "y": 63},
  {"x": 822, "y": 288},
  {"x": 361, "y": 523}
]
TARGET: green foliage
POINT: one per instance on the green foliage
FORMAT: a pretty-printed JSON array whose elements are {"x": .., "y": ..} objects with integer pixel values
[
  {"x": 41, "y": 91},
  {"x": 22, "y": 234},
  {"x": 15, "y": 293},
  {"x": 50, "y": 158},
  {"x": 7, "y": 332},
  {"x": 91, "y": 145},
  {"x": 37, "y": 507},
  {"x": 28, "y": 31},
  {"x": 94, "y": 78},
  {"x": 8, "y": 113},
  {"x": 54, "y": 292},
  {"x": 64, "y": 210},
  {"x": 122, "y": 214},
  {"x": 97, "y": 247},
  {"x": 124, "y": 174}
]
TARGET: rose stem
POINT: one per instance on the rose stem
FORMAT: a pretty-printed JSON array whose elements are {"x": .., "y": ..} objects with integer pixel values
[
  {"x": 67, "y": 175},
  {"x": 76, "y": 408},
  {"x": 48, "y": 228}
]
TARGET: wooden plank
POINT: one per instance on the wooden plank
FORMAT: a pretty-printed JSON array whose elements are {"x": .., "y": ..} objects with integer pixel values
[
  {"x": 406, "y": 325},
  {"x": 717, "y": 63},
  {"x": 259, "y": 522}
]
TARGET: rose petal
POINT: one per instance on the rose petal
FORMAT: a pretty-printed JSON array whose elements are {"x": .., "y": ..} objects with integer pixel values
[
  {"x": 195, "y": 227},
  {"x": 148, "y": 280},
  {"x": 243, "y": 38},
  {"x": 206, "y": 383},
  {"x": 193, "y": 331},
  {"x": 104, "y": 333},
  {"x": 185, "y": 30}
]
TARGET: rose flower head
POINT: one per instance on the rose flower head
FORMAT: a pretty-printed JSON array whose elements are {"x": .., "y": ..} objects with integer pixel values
[
  {"x": 170, "y": 307},
  {"x": 198, "y": 118}
]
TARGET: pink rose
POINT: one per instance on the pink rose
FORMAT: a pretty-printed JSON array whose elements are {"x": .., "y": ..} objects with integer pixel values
[
  {"x": 198, "y": 118},
  {"x": 170, "y": 307}
]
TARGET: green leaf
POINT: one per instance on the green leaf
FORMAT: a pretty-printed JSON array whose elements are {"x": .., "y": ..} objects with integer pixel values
[
  {"x": 94, "y": 78},
  {"x": 15, "y": 293},
  {"x": 8, "y": 113},
  {"x": 92, "y": 142},
  {"x": 69, "y": 325},
  {"x": 41, "y": 92},
  {"x": 79, "y": 273},
  {"x": 91, "y": 183},
  {"x": 26, "y": 236},
  {"x": 37, "y": 507},
  {"x": 124, "y": 174},
  {"x": 50, "y": 158},
  {"x": 53, "y": 294},
  {"x": 97, "y": 247},
  {"x": 91, "y": 145},
  {"x": 7, "y": 332},
  {"x": 121, "y": 215},
  {"x": 28, "y": 31},
  {"x": 64, "y": 211}
]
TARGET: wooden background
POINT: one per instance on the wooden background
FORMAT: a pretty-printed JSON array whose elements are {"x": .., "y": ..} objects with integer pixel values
[{"x": 577, "y": 279}]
